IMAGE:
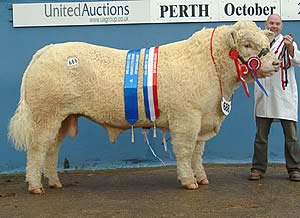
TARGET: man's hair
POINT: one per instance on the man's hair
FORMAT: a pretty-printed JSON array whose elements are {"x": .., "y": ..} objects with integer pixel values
[{"x": 274, "y": 15}]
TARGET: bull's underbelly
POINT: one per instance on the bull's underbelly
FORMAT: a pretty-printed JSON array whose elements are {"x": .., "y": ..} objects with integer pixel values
[{"x": 120, "y": 121}]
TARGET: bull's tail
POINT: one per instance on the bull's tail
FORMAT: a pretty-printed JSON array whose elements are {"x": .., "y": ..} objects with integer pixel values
[{"x": 21, "y": 128}]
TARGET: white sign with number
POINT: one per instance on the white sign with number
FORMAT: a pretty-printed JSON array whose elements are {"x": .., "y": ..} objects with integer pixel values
[
  {"x": 225, "y": 106},
  {"x": 290, "y": 10}
]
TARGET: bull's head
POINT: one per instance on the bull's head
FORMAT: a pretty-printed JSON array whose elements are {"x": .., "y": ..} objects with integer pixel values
[{"x": 250, "y": 41}]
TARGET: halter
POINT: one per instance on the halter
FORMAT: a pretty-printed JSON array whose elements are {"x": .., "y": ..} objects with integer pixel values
[
  {"x": 243, "y": 67},
  {"x": 251, "y": 65}
]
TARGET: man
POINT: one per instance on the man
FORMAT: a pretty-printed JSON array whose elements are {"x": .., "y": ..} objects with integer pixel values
[{"x": 281, "y": 104}]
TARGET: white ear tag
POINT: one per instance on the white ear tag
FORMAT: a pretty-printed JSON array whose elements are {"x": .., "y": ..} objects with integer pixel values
[{"x": 225, "y": 106}]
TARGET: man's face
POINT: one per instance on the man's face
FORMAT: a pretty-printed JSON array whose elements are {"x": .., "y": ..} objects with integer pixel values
[{"x": 274, "y": 23}]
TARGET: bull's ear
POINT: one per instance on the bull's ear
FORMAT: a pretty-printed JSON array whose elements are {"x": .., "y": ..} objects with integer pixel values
[
  {"x": 270, "y": 35},
  {"x": 232, "y": 38}
]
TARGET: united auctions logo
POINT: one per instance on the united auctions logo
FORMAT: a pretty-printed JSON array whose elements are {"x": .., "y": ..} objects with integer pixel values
[
  {"x": 62, "y": 10},
  {"x": 182, "y": 10}
]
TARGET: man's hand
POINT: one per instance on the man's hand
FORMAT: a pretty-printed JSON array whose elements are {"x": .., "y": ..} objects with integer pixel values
[{"x": 288, "y": 41}]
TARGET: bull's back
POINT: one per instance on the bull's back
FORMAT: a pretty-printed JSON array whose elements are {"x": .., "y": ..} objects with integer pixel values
[{"x": 77, "y": 77}]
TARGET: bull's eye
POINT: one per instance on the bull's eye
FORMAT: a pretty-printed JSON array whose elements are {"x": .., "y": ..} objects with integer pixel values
[{"x": 247, "y": 46}]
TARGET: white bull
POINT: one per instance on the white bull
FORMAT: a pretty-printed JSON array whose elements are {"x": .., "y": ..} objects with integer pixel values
[{"x": 53, "y": 95}]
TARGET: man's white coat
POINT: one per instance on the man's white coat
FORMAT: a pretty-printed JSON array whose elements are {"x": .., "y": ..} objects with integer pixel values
[{"x": 280, "y": 104}]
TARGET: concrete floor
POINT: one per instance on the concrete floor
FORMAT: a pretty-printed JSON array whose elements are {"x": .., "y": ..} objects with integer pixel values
[{"x": 154, "y": 192}]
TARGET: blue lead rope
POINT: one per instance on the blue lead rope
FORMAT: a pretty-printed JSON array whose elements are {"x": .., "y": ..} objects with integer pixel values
[{"x": 259, "y": 84}]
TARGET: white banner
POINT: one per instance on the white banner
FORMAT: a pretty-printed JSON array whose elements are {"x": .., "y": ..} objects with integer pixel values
[
  {"x": 80, "y": 13},
  {"x": 150, "y": 11},
  {"x": 290, "y": 9}
]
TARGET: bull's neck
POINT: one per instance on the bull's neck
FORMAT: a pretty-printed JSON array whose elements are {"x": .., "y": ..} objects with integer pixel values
[{"x": 224, "y": 65}]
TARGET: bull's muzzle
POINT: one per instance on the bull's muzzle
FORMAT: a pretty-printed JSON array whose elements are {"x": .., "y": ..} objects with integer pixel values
[{"x": 276, "y": 65}]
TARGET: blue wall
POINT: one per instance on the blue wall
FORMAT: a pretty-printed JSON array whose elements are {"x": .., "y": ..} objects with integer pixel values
[{"x": 91, "y": 148}]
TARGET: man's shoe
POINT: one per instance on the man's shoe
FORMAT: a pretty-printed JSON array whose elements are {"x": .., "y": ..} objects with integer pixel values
[
  {"x": 294, "y": 176},
  {"x": 255, "y": 175}
]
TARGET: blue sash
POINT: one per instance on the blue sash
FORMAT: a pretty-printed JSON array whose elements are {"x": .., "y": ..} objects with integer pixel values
[{"x": 130, "y": 86}]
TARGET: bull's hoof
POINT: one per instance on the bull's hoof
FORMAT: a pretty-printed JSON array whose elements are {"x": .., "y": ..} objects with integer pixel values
[
  {"x": 36, "y": 190},
  {"x": 55, "y": 184},
  {"x": 203, "y": 181},
  {"x": 192, "y": 186}
]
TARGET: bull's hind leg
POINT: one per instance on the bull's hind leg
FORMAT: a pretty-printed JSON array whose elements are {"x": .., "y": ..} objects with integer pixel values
[
  {"x": 50, "y": 171},
  {"x": 36, "y": 153},
  {"x": 184, "y": 130},
  {"x": 197, "y": 164}
]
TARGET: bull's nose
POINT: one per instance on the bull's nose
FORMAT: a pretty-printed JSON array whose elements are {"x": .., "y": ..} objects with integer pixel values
[
  {"x": 276, "y": 62},
  {"x": 276, "y": 65}
]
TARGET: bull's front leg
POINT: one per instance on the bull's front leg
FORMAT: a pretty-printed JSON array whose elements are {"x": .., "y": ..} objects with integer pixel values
[
  {"x": 184, "y": 130},
  {"x": 197, "y": 164}
]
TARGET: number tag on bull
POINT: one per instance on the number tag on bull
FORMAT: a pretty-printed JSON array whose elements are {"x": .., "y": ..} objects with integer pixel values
[{"x": 225, "y": 106}]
